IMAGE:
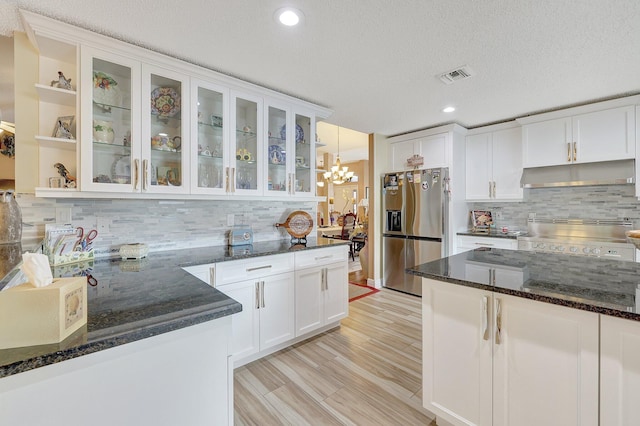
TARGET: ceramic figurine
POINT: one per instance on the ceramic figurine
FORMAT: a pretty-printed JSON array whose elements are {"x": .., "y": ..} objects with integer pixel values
[
  {"x": 70, "y": 181},
  {"x": 62, "y": 82}
]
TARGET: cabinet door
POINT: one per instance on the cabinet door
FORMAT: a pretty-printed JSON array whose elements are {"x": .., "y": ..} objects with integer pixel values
[
  {"x": 336, "y": 297},
  {"x": 165, "y": 132},
  {"x": 605, "y": 135},
  {"x": 304, "y": 179},
  {"x": 279, "y": 176},
  {"x": 277, "y": 321},
  {"x": 434, "y": 150},
  {"x": 209, "y": 156},
  {"x": 457, "y": 369},
  {"x": 506, "y": 164},
  {"x": 111, "y": 129},
  {"x": 400, "y": 151},
  {"x": 547, "y": 143},
  {"x": 245, "y": 325},
  {"x": 545, "y": 364},
  {"x": 246, "y": 150},
  {"x": 619, "y": 371},
  {"x": 309, "y": 300},
  {"x": 478, "y": 167}
]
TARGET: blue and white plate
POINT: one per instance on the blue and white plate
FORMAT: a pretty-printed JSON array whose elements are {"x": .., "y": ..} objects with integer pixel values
[
  {"x": 276, "y": 155},
  {"x": 299, "y": 133}
]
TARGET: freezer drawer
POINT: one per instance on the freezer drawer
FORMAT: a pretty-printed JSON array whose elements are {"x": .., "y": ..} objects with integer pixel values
[
  {"x": 418, "y": 252},
  {"x": 393, "y": 261}
]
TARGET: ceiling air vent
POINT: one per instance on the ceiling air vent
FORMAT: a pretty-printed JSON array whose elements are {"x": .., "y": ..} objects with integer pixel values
[{"x": 457, "y": 74}]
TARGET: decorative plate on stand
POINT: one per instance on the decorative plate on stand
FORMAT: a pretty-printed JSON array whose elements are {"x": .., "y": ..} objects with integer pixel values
[{"x": 298, "y": 224}]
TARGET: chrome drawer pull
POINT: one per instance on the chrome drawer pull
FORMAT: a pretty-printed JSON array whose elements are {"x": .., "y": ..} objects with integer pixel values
[{"x": 258, "y": 268}]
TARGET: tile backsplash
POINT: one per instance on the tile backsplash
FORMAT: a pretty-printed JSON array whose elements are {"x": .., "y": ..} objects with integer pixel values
[
  {"x": 585, "y": 202},
  {"x": 161, "y": 224}
]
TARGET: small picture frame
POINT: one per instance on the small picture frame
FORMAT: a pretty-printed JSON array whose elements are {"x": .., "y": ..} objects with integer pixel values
[
  {"x": 481, "y": 219},
  {"x": 65, "y": 127}
]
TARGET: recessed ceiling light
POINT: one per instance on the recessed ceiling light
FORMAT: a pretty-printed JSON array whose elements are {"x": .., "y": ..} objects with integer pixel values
[
  {"x": 449, "y": 109},
  {"x": 288, "y": 16}
]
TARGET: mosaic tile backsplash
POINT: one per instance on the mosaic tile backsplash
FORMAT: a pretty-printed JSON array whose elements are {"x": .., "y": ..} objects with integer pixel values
[
  {"x": 161, "y": 224},
  {"x": 585, "y": 202}
]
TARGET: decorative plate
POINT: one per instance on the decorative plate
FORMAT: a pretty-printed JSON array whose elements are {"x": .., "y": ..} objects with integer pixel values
[
  {"x": 121, "y": 170},
  {"x": 165, "y": 102},
  {"x": 276, "y": 155},
  {"x": 298, "y": 224},
  {"x": 299, "y": 133}
]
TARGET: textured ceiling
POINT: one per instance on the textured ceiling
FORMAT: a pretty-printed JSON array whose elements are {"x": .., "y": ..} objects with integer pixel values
[{"x": 374, "y": 62}]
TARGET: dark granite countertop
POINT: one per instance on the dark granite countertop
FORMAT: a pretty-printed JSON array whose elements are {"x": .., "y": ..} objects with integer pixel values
[
  {"x": 593, "y": 284},
  {"x": 493, "y": 233},
  {"x": 133, "y": 300}
]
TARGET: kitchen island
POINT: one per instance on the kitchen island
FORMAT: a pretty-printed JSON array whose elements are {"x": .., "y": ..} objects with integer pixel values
[
  {"x": 155, "y": 349},
  {"x": 515, "y": 337}
]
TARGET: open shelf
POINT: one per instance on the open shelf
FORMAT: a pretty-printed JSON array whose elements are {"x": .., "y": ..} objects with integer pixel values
[
  {"x": 54, "y": 95},
  {"x": 51, "y": 142}
]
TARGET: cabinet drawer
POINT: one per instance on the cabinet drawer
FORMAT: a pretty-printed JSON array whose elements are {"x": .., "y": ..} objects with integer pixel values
[
  {"x": 317, "y": 257},
  {"x": 468, "y": 242},
  {"x": 255, "y": 267}
]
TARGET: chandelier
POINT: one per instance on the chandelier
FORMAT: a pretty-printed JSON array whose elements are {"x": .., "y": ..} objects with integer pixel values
[{"x": 338, "y": 174}]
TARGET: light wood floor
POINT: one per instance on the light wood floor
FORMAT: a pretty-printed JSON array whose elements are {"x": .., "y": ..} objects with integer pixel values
[{"x": 366, "y": 372}]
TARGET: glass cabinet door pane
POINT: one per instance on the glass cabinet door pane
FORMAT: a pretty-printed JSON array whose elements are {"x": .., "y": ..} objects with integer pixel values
[
  {"x": 166, "y": 166},
  {"x": 246, "y": 145},
  {"x": 111, "y": 122},
  {"x": 303, "y": 143},
  {"x": 277, "y": 150},
  {"x": 210, "y": 139}
]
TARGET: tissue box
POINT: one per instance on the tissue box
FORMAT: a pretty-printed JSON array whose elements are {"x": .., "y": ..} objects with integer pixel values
[{"x": 32, "y": 316}]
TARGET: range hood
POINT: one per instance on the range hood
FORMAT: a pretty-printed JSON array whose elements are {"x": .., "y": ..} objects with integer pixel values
[{"x": 585, "y": 174}]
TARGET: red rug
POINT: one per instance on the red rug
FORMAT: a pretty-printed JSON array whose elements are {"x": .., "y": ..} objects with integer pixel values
[{"x": 358, "y": 291}]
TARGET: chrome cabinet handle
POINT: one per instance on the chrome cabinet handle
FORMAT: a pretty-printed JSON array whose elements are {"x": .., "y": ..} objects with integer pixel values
[
  {"x": 485, "y": 318},
  {"x": 258, "y": 268},
  {"x": 484, "y": 244},
  {"x": 136, "y": 165},
  {"x": 212, "y": 277},
  {"x": 568, "y": 151},
  {"x": 498, "y": 309},
  {"x": 575, "y": 151},
  {"x": 262, "y": 293},
  {"x": 233, "y": 177},
  {"x": 145, "y": 174},
  {"x": 324, "y": 257},
  {"x": 226, "y": 172},
  {"x": 257, "y": 285},
  {"x": 489, "y": 189},
  {"x": 326, "y": 279},
  {"x": 494, "y": 189}
]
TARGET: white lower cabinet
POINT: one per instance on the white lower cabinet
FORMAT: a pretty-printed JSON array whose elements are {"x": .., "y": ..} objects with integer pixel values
[
  {"x": 493, "y": 359},
  {"x": 283, "y": 297},
  {"x": 321, "y": 296},
  {"x": 267, "y": 313},
  {"x": 619, "y": 371}
]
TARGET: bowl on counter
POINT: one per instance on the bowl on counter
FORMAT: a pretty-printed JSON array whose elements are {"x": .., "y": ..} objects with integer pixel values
[{"x": 633, "y": 237}]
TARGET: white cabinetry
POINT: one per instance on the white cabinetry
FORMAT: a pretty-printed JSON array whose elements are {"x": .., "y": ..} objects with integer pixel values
[
  {"x": 493, "y": 359},
  {"x": 494, "y": 165},
  {"x": 284, "y": 297},
  {"x": 165, "y": 126},
  {"x": 321, "y": 288},
  {"x": 594, "y": 136},
  {"x": 619, "y": 371},
  {"x": 469, "y": 242},
  {"x": 265, "y": 288},
  {"x": 433, "y": 148}
]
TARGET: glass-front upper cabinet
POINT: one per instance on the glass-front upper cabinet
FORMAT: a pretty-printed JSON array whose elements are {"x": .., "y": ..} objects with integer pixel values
[
  {"x": 279, "y": 176},
  {"x": 210, "y": 159},
  {"x": 110, "y": 152},
  {"x": 165, "y": 151},
  {"x": 246, "y": 147},
  {"x": 305, "y": 160}
]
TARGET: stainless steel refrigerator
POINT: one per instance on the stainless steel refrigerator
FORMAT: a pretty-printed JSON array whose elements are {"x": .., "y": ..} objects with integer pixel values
[{"x": 415, "y": 207}]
